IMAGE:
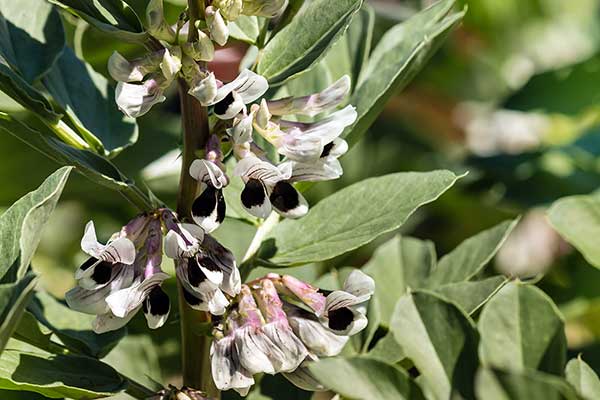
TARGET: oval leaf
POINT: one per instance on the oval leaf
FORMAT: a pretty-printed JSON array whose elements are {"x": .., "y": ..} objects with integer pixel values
[
  {"x": 299, "y": 45},
  {"x": 22, "y": 224},
  {"x": 23, "y": 367},
  {"x": 354, "y": 216},
  {"x": 440, "y": 340},
  {"x": 364, "y": 378},
  {"x": 89, "y": 101},
  {"x": 31, "y": 36},
  {"x": 521, "y": 329},
  {"x": 400, "y": 54},
  {"x": 583, "y": 379},
  {"x": 577, "y": 220}
]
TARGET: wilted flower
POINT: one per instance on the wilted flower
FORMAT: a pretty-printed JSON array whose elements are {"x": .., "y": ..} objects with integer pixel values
[
  {"x": 278, "y": 323},
  {"x": 126, "y": 278}
]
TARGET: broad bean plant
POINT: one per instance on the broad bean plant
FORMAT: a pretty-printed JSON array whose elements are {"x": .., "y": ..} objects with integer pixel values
[{"x": 406, "y": 325}]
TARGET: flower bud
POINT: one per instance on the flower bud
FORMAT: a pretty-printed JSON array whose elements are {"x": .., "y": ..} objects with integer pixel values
[
  {"x": 200, "y": 50},
  {"x": 204, "y": 89},
  {"x": 264, "y": 8},
  {"x": 157, "y": 26},
  {"x": 171, "y": 63},
  {"x": 219, "y": 32},
  {"x": 263, "y": 115},
  {"x": 230, "y": 9}
]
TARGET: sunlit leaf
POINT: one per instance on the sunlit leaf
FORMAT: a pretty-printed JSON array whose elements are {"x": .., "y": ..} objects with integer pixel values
[
  {"x": 22, "y": 224},
  {"x": 89, "y": 101},
  {"x": 23, "y": 367},
  {"x": 400, "y": 54},
  {"x": 577, "y": 219},
  {"x": 365, "y": 378},
  {"x": 114, "y": 17},
  {"x": 354, "y": 216},
  {"x": 583, "y": 378},
  {"x": 520, "y": 329},
  {"x": 31, "y": 36},
  {"x": 280, "y": 60},
  {"x": 471, "y": 256},
  {"x": 440, "y": 340}
]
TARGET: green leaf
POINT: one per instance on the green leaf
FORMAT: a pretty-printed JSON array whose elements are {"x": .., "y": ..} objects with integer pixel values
[
  {"x": 583, "y": 379},
  {"x": 440, "y": 340},
  {"x": 365, "y": 378},
  {"x": 469, "y": 258},
  {"x": 135, "y": 351},
  {"x": 14, "y": 86},
  {"x": 280, "y": 61},
  {"x": 73, "y": 328},
  {"x": 471, "y": 296},
  {"x": 347, "y": 56},
  {"x": 13, "y": 300},
  {"x": 387, "y": 350},
  {"x": 573, "y": 84},
  {"x": 246, "y": 28},
  {"x": 577, "y": 220},
  {"x": 399, "y": 264},
  {"x": 31, "y": 331},
  {"x": 114, "y": 17},
  {"x": 354, "y": 216},
  {"x": 520, "y": 329},
  {"x": 24, "y": 367},
  {"x": 22, "y": 224},
  {"x": 89, "y": 101},
  {"x": 400, "y": 54},
  {"x": 492, "y": 384},
  {"x": 95, "y": 167},
  {"x": 31, "y": 36}
]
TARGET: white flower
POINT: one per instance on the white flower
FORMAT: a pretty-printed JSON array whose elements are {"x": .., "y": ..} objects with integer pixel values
[
  {"x": 105, "y": 260},
  {"x": 219, "y": 32},
  {"x": 232, "y": 98},
  {"x": 327, "y": 167},
  {"x": 157, "y": 26},
  {"x": 123, "y": 70},
  {"x": 227, "y": 371},
  {"x": 200, "y": 50},
  {"x": 344, "y": 314},
  {"x": 312, "y": 104},
  {"x": 136, "y": 100},
  {"x": 208, "y": 209},
  {"x": 267, "y": 187},
  {"x": 205, "y": 268}
]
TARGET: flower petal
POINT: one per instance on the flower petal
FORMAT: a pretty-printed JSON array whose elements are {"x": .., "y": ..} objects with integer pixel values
[
  {"x": 227, "y": 371},
  {"x": 125, "y": 301},
  {"x": 316, "y": 337},
  {"x": 156, "y": 307},
  {"x": 89, "y": 241},
  {"x": 108, "y": 322},
  {"x": 225, "y": 260},
  {"x": 252, "y": 167},
  {"x": 255, "y": 200},
  {"x": 204, "y": 89},
  {"x": 208, "y": 172},
  {"x": 253, "y": 347},
  {"x": 135, "y": 100},
  {"x": 287, "y": 201},
  {"x": 313, "y": 104},
  {"x": 208, "y": 210},
  {"x": 283, "y": 338},
  {"x": 304, "y": 379},
  {"x": 219, "y": 32},
  {"x": 360, "y": 285},
  {"x": 230, "y": 106},
  {"x": 345, "y": 321}
]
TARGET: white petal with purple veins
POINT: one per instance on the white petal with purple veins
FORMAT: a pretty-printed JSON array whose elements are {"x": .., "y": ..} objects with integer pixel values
[
  {"x": 208, "y": 172},
  {"x": 227, "y": 371}
]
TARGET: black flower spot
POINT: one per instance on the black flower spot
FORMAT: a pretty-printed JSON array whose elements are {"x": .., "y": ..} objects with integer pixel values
[
  {"x": 102, "y": 273},
  {"x": 222, "y": 106},
  {"x": 284, "y": 197},
  {"x": 88, "y": 263},
  {"x": 253, "y": 193},
  {"x": 205, "y": 204},
  {"x": 157, "y": 302},
  {"x": 326, "y": 150},
  {"x": 195, "y": 274},
  {"x": 340, "y": 319}
]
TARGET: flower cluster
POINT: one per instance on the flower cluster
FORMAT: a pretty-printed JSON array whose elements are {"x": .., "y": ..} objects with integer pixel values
[
  {"x": 142, "y": 82},
  {"x": 278, "y": 322},
  {"x": 122, "y": 276}
]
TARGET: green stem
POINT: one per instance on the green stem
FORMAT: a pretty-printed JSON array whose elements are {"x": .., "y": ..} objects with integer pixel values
[
  {"x": 67, "y": 135},
  {"x": 195, "y": 347}
]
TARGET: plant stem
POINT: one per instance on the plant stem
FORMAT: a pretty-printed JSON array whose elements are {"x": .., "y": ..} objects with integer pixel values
[{"x": 195, "y": 348}]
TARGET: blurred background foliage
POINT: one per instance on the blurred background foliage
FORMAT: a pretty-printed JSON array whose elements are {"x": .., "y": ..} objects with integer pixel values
[{"x": 511, "y": 97}]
